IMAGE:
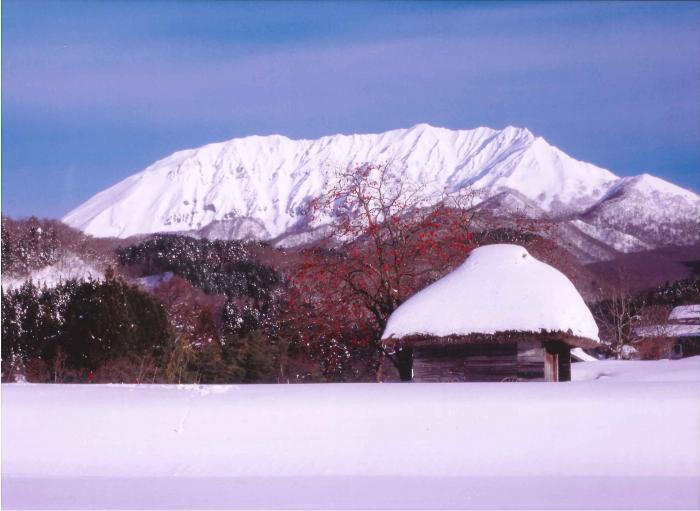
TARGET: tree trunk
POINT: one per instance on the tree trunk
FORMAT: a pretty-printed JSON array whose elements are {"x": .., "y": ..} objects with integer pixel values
[{"x": 378, "y": 367}]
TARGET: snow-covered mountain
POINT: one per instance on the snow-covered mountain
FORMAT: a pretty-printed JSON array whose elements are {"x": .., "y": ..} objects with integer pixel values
[
  {"x": 649, "y": 210},
  {"x": 258, "y": 187}
]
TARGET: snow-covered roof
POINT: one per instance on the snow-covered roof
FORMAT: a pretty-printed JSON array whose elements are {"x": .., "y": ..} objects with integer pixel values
[
  {"x": 685, "y": 312},
  {"x": 582, "y": 356},
  {"x": 499, "y": 288},
  {"x": 667, "y": 331}
]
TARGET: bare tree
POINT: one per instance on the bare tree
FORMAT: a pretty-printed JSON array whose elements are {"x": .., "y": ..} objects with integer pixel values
[
  {"x": 388, "y": 238},
  {"x": 616, "y": 313}
]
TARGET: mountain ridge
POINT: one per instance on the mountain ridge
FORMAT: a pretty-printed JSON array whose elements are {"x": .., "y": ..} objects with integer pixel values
[{"x": 258, "y": 186}]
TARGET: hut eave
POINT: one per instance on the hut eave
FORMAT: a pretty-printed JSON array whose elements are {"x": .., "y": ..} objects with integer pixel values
[{"x": 504, "y": 337}]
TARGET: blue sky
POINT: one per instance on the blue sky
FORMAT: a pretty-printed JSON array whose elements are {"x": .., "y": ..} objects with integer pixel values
[{"x": 95, "y": 91}]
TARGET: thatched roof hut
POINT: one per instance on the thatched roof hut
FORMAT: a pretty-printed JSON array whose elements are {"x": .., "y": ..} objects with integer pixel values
[{"x": 501, "y": 308}]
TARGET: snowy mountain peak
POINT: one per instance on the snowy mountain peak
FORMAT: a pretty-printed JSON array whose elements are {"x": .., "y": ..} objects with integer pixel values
[
  {"x": 646, "y": 183},
  {"x": 257, "y": 186}
]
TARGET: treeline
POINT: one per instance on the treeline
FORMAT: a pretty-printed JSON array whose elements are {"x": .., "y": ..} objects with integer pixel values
[
  {"x": 215, "y": 321},
  {"x": 215, "y": 267},
  {"x": 31, "y": 244},
  {"x": 61, "y": 334},
  {"x": 681, "y": 292},
  {"x": 114, "y": 332}
]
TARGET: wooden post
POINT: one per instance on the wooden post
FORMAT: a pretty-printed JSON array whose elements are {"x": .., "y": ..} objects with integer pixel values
[
  {"x": 557, "y": 361},
  {"x": 564, "y": 366},
  {"x": 404, "y": 357},
  {"x": 551, "y": 365}
]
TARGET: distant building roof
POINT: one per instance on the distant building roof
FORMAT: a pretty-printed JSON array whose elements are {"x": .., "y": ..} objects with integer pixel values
[
  {"x": 499, "y": 288},
  {"x": 667, "y": 331},
  {"x": 685, "y": 313},
  {"x": 684, "y": 321}
]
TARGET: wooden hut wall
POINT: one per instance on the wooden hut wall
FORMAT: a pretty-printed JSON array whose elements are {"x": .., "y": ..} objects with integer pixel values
[
  {"x": 479, "y": 362},
  {"x": 465, "y": 362},
  {"x": 530, "y": 361}
]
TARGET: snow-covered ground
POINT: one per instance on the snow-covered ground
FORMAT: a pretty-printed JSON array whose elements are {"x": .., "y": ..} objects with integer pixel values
[
  {"x": 150, "y": 282},
  {"x": 684, "y": 370},
  {"x": 70, "y": 267},
  {"x": 625, "y": 436}
]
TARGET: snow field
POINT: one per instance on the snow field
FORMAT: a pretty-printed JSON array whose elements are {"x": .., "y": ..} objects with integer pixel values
[
  {"x": 585, "y": 444},
  {"x": 683, "y": 370}
]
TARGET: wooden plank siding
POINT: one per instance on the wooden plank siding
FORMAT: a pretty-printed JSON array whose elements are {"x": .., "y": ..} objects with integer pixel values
[
  {"x": 479, "y": 362},
  {"x": 530, "y": 361}
]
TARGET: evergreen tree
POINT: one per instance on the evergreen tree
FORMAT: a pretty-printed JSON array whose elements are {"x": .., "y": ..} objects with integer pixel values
[
  {"x": 216, "y": 267},
  {"x": 109, "y": 320},
  {"x": 10, "y": 345}
]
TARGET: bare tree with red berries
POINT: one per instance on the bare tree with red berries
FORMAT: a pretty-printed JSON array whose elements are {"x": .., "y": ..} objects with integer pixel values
[{"x": 387, "y": 239}]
